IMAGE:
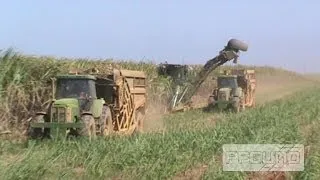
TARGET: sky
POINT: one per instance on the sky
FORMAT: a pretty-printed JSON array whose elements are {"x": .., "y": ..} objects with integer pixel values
[{"x": 279, "y": 33}]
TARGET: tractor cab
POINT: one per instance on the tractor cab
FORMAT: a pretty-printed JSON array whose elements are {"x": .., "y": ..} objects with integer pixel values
[
  {"x": 177, "y": 72},
  {"x": 77, "y": 91},
  {"x": 75, "y": 94},
  {"x": 75, "y": 86},
  {"x": 85, "y": 87},
  {"x": 227, "y": 81},
  {"x": 227, "y": 87}
]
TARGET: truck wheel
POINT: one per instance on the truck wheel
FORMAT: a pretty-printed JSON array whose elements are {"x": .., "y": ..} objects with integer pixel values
[
  {"x": 211, "y": 105},
  {"x": 254, "y": 102},
  {"x": 237, "y": 44},
  {"x": 210, "y": 101},
  {"x": 236, "y": 106},
  {"x": 89, "y": 128},
  {"x": 107, "y": 127},
  {"x": 243, "y": 107},
  {"x": 35, "y": 133},
  {"x": 140, "y": 117}
]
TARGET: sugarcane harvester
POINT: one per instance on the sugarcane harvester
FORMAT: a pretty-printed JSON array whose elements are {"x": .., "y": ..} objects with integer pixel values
[{"x": 182, "y": 101}]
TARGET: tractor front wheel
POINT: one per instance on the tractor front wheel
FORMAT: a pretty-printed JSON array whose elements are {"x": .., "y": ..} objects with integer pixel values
[
  {"x": 107, "y": 127},
  {"x": 236, "y": 105},
  {"x": 36, "y": 133},
  {"x": 243, "y": 107},
  {"x": 89, "y": 128}
]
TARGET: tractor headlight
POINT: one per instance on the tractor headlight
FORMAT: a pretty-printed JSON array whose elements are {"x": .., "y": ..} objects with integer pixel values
[{"x": 68, "y": 114}]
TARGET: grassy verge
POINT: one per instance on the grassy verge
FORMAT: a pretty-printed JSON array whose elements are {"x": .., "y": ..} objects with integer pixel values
[{"x": 164, "y": 155}]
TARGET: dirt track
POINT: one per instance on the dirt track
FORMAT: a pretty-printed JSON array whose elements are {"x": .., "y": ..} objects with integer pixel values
[{"x": 275, "y": 87}]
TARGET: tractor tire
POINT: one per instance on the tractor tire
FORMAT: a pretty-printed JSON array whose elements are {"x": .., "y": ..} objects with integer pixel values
[
  {"x": 236, "y": 106},
  {"x": 243, "y": 108},
  {"x": 89, "y": 128},
  {"x": 237, "y": 44},
  {"x": 254, "y": 102},
  {"x": 140, "y": 117},
  {"x": 36, "y": 133},
  {"x": 107, "y": 126},
  {"x": 210, "y": 107}
]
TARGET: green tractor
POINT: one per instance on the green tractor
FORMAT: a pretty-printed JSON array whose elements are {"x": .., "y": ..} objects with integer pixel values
[
  {"x": 235, "y": 90},
  {"x": 228, "y": 94},
  {"x": 91, "y": 103}
]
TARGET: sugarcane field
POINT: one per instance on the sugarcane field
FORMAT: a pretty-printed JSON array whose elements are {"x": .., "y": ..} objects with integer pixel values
[{"x": 160, "y": 93}]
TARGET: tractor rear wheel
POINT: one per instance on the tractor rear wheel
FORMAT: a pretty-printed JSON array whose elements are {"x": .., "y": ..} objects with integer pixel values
[
  {"x": 236, "y": 108},
  {"x": 107, "y": 127},
  {"x": 89, "y": 128}
]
